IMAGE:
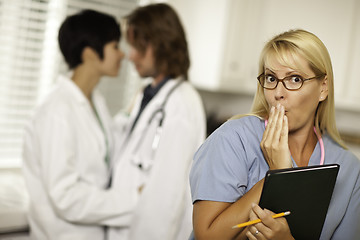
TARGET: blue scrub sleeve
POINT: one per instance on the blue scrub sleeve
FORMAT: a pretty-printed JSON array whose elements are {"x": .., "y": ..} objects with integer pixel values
[{"x": 220, "y": 171}]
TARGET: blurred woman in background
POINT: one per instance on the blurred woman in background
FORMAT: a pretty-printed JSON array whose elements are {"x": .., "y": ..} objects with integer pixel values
[{"x": 69, "y": 142}]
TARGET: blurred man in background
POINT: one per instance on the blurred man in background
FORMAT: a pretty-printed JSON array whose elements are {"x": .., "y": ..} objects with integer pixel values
[{"x": 165, "y": 127}]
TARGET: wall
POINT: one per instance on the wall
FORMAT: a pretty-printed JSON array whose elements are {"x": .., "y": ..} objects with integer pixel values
[{"x": 226, "y": 37}]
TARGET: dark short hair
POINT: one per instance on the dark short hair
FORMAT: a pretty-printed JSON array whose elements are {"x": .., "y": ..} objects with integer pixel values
[
  {"x": 160, "y": 26},
  {"x": 87, "y": 28}
]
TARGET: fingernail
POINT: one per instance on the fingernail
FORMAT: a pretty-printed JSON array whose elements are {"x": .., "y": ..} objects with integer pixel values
[
  {"x": 272, "y": 109},
  {"x": 253, "y": 204}
]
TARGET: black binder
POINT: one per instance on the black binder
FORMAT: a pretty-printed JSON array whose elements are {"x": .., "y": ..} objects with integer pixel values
[{"x": 305, "y": 192}]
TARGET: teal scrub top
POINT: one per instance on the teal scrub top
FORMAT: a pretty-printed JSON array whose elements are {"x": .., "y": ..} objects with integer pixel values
[{"x": 230, "y": 162}]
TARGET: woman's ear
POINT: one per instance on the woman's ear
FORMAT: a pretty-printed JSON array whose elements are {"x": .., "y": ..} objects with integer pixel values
[
  {"x": 89, "y": 55},
  {"x": 323, "y": 89}
]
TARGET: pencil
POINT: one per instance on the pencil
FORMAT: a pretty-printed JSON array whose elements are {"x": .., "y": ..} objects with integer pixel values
[{"x": 259, "y": 220}]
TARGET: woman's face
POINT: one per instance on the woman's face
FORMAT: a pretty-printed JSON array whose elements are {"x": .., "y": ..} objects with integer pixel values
[
  {"x": 111, "y": 62},
  {"x": 300, "y": 105}
]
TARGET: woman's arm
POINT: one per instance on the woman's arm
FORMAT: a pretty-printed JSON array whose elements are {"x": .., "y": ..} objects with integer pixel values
[{"x": 214, "y": 220}]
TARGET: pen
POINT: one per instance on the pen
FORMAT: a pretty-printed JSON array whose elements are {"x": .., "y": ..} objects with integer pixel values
[{"x": 259, "y": 220}]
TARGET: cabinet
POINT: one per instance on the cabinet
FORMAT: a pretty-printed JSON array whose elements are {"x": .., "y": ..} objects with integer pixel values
[
  {"x": 226, "y": 37},
  {"x": 204, "y": 22},
  {"x": 350, "y": 97}
]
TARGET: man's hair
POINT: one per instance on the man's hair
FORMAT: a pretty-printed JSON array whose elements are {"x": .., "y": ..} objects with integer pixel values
[
  {"x": 87, "y": 28},
  {"x": 158, "y": 25}
]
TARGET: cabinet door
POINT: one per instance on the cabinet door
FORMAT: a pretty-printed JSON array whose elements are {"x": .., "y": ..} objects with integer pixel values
[
  {"x": 204, "y": 22},
  {"x": 349, "y": 98},
  {"x": 253, "y": 22},
  {"x": 242, "y": 47}
]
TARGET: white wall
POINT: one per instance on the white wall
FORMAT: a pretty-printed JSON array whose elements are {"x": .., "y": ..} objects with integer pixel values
[{"x": 226, "y": 37}]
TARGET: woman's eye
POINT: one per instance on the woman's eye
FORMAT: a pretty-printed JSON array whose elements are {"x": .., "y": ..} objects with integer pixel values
[
  {"x": 270, "y": 78},
  {"x": 296, "y": 79}
]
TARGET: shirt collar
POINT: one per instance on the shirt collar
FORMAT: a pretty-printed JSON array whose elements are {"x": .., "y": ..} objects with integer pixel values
[
  {"x": 73, "y": 89},
  {"x": 150, "y": 91}
]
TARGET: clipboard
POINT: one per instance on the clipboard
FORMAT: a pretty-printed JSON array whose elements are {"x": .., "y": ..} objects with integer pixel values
[{"x": 305, "y": 192}]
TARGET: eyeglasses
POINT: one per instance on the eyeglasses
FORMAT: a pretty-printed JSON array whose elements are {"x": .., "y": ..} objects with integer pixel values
[{"x": 292, "y": 83}]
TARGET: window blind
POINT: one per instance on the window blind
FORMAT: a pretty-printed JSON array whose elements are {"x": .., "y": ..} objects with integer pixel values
[{"x": 30, "y": 60}]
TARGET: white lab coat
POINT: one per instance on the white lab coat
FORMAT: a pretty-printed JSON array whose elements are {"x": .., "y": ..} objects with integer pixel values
[
  {"x": 164, "y": 207},
  {"x": 65, "y": 170}
]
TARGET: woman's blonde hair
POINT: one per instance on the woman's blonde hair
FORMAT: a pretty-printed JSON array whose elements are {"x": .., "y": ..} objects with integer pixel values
[{"x": 302, "y": 43}]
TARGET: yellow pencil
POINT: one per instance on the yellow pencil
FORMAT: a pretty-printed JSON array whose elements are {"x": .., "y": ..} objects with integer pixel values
[{"x": 259, "y": 220}]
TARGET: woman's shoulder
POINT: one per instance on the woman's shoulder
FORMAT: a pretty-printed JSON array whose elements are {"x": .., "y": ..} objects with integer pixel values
[
  {"x": 247, "y": 128},
  {"x": 244, "y": 124},
  {"x": 337, "y": 154},
  {"x": 247, "y": 120},
  {"x": 55, "y": 101},
  {"x": 57, "y": 104}
]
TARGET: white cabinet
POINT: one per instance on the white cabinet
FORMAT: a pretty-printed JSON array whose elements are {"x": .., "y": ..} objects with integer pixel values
[
  {"x": 226, "y": 38},
  {"x": 243, "y": 44},
  {"x": 204, "y": 22},
  {"x": 350, "y": 97},
  {"x": 331, "y": 20}
]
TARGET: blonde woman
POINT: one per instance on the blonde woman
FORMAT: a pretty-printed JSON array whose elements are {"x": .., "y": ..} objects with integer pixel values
[{"x": 295, "y": 94}]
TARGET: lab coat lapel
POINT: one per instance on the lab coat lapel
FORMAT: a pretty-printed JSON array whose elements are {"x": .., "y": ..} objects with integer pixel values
[
  {"x": 138, "y": 145},
  {"x": 75, "y": 92},
  {"x": 103, "y": 115},
  {"x": 152, "y": 106},
  {"x": 130, "y": 141}
]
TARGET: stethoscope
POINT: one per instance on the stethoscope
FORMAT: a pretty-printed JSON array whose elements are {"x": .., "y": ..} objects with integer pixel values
[
  {"x": 146, "y": 165},
  {"x": 321, "y": 143}
]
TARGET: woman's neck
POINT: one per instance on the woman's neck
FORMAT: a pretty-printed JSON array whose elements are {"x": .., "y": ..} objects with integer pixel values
[
  {"x": 86, "y": 80},
  {"x": 302, "y": 144}
]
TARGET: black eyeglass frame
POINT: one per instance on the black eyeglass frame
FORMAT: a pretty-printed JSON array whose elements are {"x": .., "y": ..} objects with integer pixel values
[{"x": 282, "y": 81}]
